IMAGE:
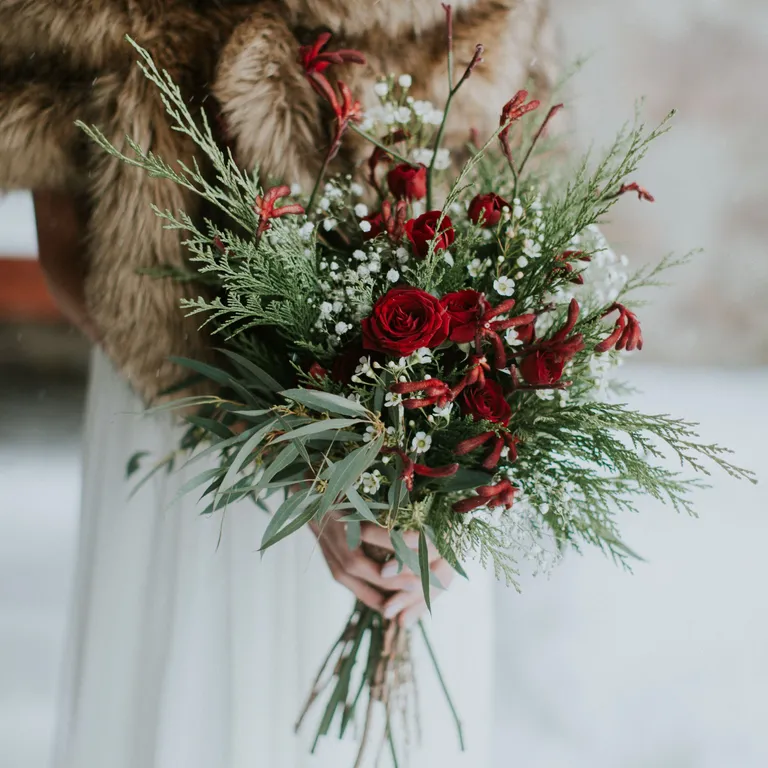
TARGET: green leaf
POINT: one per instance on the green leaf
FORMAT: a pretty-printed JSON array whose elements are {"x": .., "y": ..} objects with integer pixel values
[
  {"x": 298, "y": 522},
  {"x": 406, "y": 556},
  {"x": 353, "y": 534},
  {"x": 325, "y": 402},
  {"x": 209, "y": 371},
  {"x": 316, "y": 427},
  {"x": 424, "y": 567},
  {"x": 293, "y": 504},
  {"x": 134, "y": 463},
  {"x": 284, "y": 459},
  {"x": 193, "y": 482},
  {"x": 262, "y": 377},
  {"x": 245, "y": 451},
  {"x": 166, "y": 463},
  {"x": 343, "y": 475},
  {"x": 185, "y": 402},
  {"x": 212, "y": 426},
  {"x": 360, "y": 504}
]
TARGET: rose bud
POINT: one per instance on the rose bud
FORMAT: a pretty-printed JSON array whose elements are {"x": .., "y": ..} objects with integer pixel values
[
  {"x": 423, "y": 230},
  {"x": 486, "y": 402},
  {"x": 486, "y": 208},
  {"x": 407, "y": 182},
  {"x": 464, "y": 310},
  {"x": 403, "y": 320}
]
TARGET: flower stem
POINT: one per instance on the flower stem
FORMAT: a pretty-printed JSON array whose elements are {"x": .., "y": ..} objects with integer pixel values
[{"x": 380, "y": 145}]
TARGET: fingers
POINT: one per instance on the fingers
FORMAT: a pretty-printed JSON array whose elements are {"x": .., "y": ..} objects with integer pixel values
[
  {"x": 409, "y": 607},
  {"x": 362, "y": 591},
  {"x": 362, "y": 567}
]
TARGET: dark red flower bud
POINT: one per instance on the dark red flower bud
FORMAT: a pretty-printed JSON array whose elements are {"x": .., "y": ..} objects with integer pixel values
[
  {"x": 407, "y": 182},
  {"x": 486, "y": 208},
  {"x": 424, "y": 471},
  {"x": 430, "y": 227}
]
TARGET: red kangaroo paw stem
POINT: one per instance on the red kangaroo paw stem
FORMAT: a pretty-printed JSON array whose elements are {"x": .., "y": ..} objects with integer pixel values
[
  {"x": 468, "y": 504},
  {"x": 492, "y": 459},
  {"x": 471, "y": 443},
  {"x": 425, "y": 471}
]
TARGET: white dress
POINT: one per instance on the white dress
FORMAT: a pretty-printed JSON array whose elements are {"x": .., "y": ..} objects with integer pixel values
[{"x": 182, "y": 655}]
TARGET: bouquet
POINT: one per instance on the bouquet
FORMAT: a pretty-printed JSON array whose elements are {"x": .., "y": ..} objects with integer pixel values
[{"x": 424, "y": 345}]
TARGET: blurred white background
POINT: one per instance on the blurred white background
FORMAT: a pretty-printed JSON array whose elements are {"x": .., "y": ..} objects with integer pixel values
[{"x": 666, "y": 668}]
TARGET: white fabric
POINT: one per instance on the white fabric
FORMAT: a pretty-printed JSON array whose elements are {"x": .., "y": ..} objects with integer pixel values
[{"x": 182, "y": 654}]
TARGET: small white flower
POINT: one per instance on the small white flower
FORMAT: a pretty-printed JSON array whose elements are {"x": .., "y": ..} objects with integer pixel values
[
  {"x": 329, "y": 224},
  {"x": 393, "y": 275},
  {"x": 402, "y": 255},
  {"x": 369, "y": 434},
  {"x": 403, "y": 114},
  {"x": 365, "y": 226},
  {"x": 356, "y": 189},
  {"x": 334, "y": 266},
  {"x": 448, "y": 258},
  {"x": 421, "y": 442},
  {"x": 363, "y": 271},
  {"x": 443, "y": 412},
  {"x": 305, "y": 230},
  {"x": 405, "y": 81},
  {"x": 341, "y": 328},
  {"x": 504, "y": 286},
  {"x": 422, "y": 355},
  {"x": 443, "y": 159},
  {"x": 337, "y": 306},
  {"x": 522, "y": 262},
  {"x": 510, "y": 336},
  {"x": 422, "y": 107},
  {"x": 370, "y": 482},
  {"x": 374, "y": 266},
  {"x": 326, "y": 308},
  {"x": 359, "y": 255},
  {"x": 517, "y": 211},
  {"x": 392, "y": 399},
  {"x": 519, "y": 275},
  {"x": 324, "y": 203},
  {"x": 364, "y": 367},
  {"x": 381, "y": 88},
  {"x": 475, "y": 267},
  {"x": 422, "y": 155},
  {"x": 434, "y": 117},
  {"x": 361, "y": 209}
]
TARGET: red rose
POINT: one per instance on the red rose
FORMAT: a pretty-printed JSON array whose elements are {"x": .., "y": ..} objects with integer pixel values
[
  {"x": 404, "y": 320},
  {"x": 464, "y": 309},
  {"x": 486, "y": 207},
  {"x": 376, "y": 220},
  {"x": 422, "y": 231},
  {"x": 486, "y": 402},
  {"x": 408, "y": 183}
]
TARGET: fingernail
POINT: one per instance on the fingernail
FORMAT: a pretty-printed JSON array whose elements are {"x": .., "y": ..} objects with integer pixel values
[
  {"x": 390, "y": 569},
  {"x": 393, "y": 609},
  {"x": 411, "y": 586}
]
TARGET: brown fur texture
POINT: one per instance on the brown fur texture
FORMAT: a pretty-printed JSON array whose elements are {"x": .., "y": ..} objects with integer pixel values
[{"x": 68, "y": 60}]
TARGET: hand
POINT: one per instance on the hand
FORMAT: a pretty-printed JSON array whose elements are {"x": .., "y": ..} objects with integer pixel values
[{"x": 379, "y": 586}]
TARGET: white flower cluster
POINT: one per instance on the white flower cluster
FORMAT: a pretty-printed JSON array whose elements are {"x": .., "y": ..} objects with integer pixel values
[{"x": 399, "y": 110}]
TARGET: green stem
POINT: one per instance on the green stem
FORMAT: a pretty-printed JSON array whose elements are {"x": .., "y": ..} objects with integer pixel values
[
  {"x": 380, "y": 145},
  {"x": 440, "y": 678}
]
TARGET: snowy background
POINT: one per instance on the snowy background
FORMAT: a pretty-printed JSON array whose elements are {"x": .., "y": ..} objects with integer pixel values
[{"x": 666, "y": 668}]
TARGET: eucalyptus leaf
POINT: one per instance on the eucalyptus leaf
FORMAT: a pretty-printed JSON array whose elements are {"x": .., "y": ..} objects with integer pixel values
[
  {"x": 134, "y": 463},
  {"x": 360, "y": 504},
  {"x": 317, "y": 427},
  {"x": 353, "y": 534},
  {"x": 294, "y": 525},
  {"x": 465, "y": 479},
  {"x": 406, "y": 556},
  {"x": 212, "y": 426},
  {"x": 345, "y": 473},
  {"x": 244, "y": 453},
  {"x": 265, "y": 380},
  {"x": 292, "y": 505},
  {"x": 325, "y": 402},
  {"x": 424, "y": 567}
]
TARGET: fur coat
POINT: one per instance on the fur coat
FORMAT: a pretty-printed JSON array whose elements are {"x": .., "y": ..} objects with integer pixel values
[{"x": 69, "y": 60}]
